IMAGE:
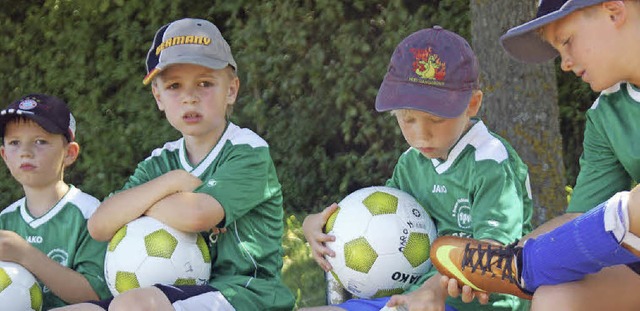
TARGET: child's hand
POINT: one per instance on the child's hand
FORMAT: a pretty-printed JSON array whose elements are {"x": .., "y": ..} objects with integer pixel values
[
  {"x": 12, "y": 247},
  {"x": 429, "y": 297},
  {"x": 312, "y": 227},
  {"x": 466, "y": 293}
]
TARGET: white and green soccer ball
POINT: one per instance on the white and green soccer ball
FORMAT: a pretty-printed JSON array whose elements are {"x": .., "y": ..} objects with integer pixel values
[
  {"x": 146, "y": 252},
  {"x": 19, "y": 289},
  {"x": 383, "y": 238}
]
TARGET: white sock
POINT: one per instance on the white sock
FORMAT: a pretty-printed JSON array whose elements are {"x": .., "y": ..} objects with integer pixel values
[{"x": 616, "y": 219}]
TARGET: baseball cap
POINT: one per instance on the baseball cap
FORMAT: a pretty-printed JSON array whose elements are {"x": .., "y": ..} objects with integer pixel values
[
  {"x": 525, "y": 45},
  {"x": 188, "y": 41},
  {"x": 432, "y": 70},
  {"x": 50, "y": 112}
]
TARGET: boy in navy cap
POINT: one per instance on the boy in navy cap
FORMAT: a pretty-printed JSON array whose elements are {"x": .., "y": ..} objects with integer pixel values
[
  {"x": 46, "y": 230},
  {"x": 432, "y": 89},
  {"x": 599, "y": 41},
  {"x": 218, "y": 179}
]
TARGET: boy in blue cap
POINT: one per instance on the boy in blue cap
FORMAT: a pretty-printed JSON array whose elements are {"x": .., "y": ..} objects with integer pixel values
[
  {"x": 432, "y": 89},
  {"x": 46, "y": 230},
  {"x": 600, "y": 42}
]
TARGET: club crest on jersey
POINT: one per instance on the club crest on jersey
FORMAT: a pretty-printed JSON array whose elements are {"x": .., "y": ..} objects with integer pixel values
[
  {"x": 428, "y": 67},
  {"x": 462, "y": 213},
  {"x": 27, "y": 104}
]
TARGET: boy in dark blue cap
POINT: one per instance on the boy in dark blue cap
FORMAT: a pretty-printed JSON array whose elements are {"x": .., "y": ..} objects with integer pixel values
[
  {"x": 432, "y": 89},
  {"x": 600, "y": 42},
  {"x": 46, "y": 230}
]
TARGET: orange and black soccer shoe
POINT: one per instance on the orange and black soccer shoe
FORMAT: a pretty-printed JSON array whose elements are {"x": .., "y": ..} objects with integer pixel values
[{"x": 483, "y": 266}]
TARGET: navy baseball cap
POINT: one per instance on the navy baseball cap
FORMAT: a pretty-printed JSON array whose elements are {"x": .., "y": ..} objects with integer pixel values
[
  {"x": 50, "y": 112},
  {"x": 188, "y": 41},
  {"x": 432, "y": 70},
  {"x": 523, "y": 42}
]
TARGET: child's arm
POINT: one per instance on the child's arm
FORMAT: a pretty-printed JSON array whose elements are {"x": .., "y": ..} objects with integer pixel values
[
  {"x": 198, "y": 211},
  {"x": 312, "y": 226},
  {"x": 69, "y": 285},
  {"x": 125, "y": 206}
]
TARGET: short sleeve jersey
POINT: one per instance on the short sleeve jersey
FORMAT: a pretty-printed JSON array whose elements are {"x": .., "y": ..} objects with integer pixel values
[
  {"x": 240, "y": 174},
  {"x": 610, "y": 160},
  {"x": 62, "y": 235},
  {"x": 481, "y": 191}
]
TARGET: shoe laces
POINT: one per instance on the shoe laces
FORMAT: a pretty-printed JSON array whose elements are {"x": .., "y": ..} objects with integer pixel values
[{"x": 492, "y": 258}]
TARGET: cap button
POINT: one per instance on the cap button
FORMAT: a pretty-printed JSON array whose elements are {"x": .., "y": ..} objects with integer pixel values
[{"x": 437, "y": 27}]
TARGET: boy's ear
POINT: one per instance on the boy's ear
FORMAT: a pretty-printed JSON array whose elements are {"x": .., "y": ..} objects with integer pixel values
[
  {"x": 234, "y": 87},
  {"x": 156, "y": 95},
  {"x": 73, "y": 149},
  {"x": 475, "y": 103},
  {"x": 617, "y": 11}
]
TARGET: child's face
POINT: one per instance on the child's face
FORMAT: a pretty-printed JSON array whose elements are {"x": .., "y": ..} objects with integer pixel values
[
  {"x": 589, "y": 45},
  {"x": 195, "y": 99},
  {"x": 35, "y": 157},
  {"x": 433, "y": 136}
]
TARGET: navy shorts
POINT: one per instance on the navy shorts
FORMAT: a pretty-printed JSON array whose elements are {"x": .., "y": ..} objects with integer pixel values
[{"x": 174, "y": 293}]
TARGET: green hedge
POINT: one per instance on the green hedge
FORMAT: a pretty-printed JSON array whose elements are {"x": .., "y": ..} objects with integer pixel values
[{"x": 309, "y": 70}]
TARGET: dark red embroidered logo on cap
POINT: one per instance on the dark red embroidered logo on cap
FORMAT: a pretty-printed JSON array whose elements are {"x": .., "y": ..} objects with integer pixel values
[{"x": 428, "y": 66}]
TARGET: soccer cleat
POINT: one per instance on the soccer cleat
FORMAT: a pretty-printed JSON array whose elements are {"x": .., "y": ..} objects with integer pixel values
[{"x": 483, "y": 266}]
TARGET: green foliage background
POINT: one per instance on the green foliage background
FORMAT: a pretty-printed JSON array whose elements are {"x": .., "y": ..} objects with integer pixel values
[{"x": 309, "y": 70}]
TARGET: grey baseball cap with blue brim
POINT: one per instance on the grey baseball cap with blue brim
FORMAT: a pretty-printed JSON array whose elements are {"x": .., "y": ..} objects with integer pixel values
[
  {"x": 432, "y": 70},
  {"x": 524, "y": 44},
  {"x": 188, "y": 41}
]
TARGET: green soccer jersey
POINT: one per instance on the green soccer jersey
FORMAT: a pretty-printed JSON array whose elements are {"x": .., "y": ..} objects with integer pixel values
[
  {"x": 62, "y": 235},
  {"x": 481, "y": 191},
  {"x": 610, "y": 160},
  {"x": 239, "y": 173}
]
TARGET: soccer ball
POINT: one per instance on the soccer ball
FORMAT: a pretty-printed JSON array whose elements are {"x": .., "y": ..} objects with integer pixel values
[
  {"x": 19, "y": 289},
  {"x": 383, "y": 238},
  {"x": 146, "y": 252}
]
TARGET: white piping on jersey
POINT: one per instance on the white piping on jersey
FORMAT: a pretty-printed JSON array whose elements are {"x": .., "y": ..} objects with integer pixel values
[
  {"x": 487, "y": 147},
  {"x": 635, "y": 94},
  {"x": 84, "y": 202},
  {"x": 612, "y": 89},
  {"x": 233, "y": 134},
  {"x": 240, "y": 242}
]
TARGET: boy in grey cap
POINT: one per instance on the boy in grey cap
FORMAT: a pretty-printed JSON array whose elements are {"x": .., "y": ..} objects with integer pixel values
[
  {"x": 599, "y": 41},
  {"x": 469, "y": 180},
  {"x": 218, "y": 179}
]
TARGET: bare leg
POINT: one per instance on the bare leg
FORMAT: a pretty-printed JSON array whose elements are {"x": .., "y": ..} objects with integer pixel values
[
  {"x": 610, "y": 289},
  {"x": 148, "y": 298}
]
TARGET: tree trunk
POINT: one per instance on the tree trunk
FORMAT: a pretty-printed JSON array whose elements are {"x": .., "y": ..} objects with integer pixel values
[{"x": 520, "y": 102}]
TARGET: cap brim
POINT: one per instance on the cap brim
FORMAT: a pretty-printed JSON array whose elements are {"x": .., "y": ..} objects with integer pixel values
[
  {"x": 437, "y": 101},
  {"x": 202, "y": 61},
  {"x": 42, "y": 122},
  {"x": 525, "y": 45}
]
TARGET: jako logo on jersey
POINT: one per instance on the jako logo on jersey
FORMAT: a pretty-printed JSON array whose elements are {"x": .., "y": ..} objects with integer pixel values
[
  {"x": 428, "y": 67},
  {"x": 404, "y": 277},
  {"x": 462, "y": 212},
  {"x": 34, "y": 239},
  {"x": 179, "y": 40},
  {"x": 439, "y": 189},
  {"x": 212, "y": 182}
]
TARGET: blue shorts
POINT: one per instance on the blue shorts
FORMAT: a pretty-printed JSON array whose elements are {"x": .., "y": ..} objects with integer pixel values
[
  {"x": 371, "y": 304},
  {"x": 186, "y": 297}
]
